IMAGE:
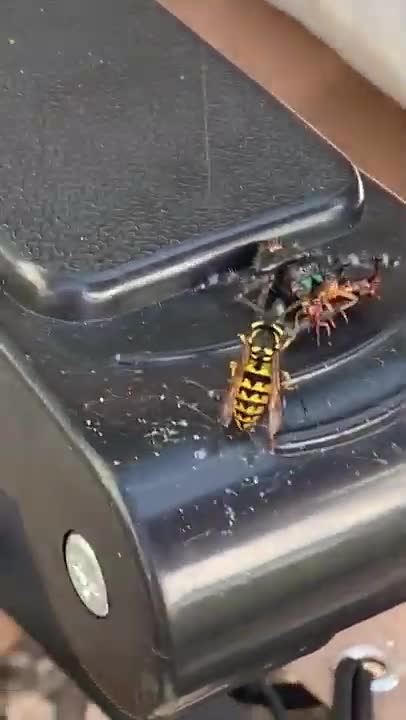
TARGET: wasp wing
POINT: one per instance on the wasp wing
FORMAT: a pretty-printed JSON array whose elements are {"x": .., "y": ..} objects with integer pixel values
[{"x": 275, "y": 410}]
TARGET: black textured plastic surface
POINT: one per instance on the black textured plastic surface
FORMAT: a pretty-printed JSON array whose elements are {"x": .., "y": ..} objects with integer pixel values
[
  {"x": 227, "y": 535},
  {"x": 196, "y": 334},
  {"x": 121, "y": 133}
]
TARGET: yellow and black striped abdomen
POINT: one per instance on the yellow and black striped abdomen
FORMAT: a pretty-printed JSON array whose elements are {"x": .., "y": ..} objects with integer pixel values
[
  {"x": 252, "y": 395},
  {"x": 254, "y": 389}
]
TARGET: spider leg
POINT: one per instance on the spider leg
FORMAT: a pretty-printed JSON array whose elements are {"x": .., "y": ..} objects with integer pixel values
[{"x": 326, "y": 324}]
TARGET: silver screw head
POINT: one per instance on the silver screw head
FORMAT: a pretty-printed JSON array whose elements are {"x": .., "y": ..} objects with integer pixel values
[
  {"x": 86, "y": 574},
  {"x": 385, "y": 678}
]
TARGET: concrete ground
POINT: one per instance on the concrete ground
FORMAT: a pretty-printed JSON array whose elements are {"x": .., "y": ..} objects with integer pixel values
[{"x": 32, "y": 687}]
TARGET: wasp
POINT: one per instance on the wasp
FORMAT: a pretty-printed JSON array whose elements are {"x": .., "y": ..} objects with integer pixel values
[{"x": 257, "y": 381}]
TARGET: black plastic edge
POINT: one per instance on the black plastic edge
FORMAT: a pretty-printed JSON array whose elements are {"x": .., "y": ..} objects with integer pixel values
[
  {"x": 104, "y": 476},
  {"x": 131, "y": 286}
]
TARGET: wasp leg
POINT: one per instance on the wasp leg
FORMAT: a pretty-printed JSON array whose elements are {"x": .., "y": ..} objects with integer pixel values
[
  {"x": 263, "y": 297},
  {"x": 227, "y": 406},
  {"x": 275, "y": 407},
  {"x": 244, "y": 301},
  {"x": 257, "y": 307},
  {"x": 291, "y": 334},
  {"x": 257, "y": 282},
  {"x": 260, "y": 285},
  {"x": 286, "y": 381},
  {"x": 233, "y": 367}
]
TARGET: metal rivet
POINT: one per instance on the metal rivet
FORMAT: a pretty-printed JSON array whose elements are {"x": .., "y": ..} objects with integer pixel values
[{"x": 86, "y": 574}]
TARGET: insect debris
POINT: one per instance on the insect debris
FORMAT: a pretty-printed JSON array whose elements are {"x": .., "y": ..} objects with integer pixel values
[
  {"x": 312, "y": 290},
  {"x": 307, "y": 292}
]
